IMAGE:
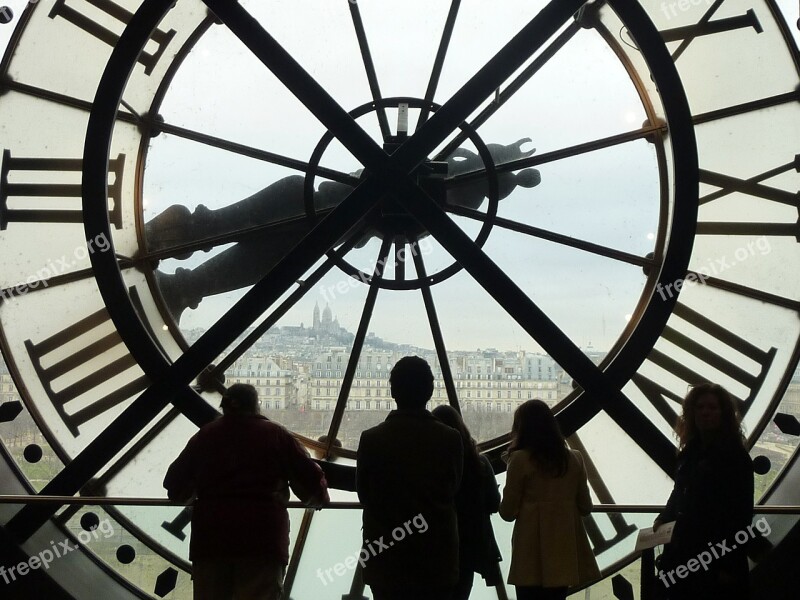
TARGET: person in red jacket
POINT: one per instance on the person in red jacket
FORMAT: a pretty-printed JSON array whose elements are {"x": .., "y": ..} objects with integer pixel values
[{"x": 240, "y": 468}]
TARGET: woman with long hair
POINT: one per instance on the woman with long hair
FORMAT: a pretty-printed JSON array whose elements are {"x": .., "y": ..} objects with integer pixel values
[
  {"x": 477, "y": 498},
  {"x": 711, "y": 502},
  {"x": 546, "y": 494}
]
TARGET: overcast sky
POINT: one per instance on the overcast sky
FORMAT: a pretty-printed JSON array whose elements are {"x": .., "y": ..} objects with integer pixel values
[{"x": 608, "y": 197}]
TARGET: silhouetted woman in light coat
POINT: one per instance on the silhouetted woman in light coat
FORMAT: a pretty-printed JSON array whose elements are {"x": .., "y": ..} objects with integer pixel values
[{"x": 546, "y": 493}]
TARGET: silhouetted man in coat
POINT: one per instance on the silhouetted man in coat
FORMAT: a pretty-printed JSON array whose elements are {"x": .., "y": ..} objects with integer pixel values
[{"x": 408, "y": 473}]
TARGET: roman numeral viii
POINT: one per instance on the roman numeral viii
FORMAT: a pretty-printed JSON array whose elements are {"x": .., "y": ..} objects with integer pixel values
[
  {"x": 110, "y": 13},
  {"x": 86, "y": 369},
  {"x": 47, "y": 190}
]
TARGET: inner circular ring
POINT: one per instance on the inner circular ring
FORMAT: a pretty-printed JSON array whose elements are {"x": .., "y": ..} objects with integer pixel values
[{"x": 395, "y": 223}]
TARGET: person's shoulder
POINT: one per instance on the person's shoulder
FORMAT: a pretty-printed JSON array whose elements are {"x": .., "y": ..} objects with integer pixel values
[
  {"x": 440, "y": 429},
  {"x": 264, "y": 423},
  {"x": 520, "y": 459},
  {"x": 209, "y": 436},
  {"x": 255, "y": 421},
  {"x": 575, "y": 461},
  {"x": 486, "y": 465},
  {"x": 576, "y": 455},
  {"x": 210, "y": 428},
  {"x": 262, "y": 428},
  {"x": 277, "y": 432},
  {"x": 724, "y": 446},
  {"x": 376, "y": 432},
  {"x": 734, "y": 450},
  {"x": 436, "y": 425}
]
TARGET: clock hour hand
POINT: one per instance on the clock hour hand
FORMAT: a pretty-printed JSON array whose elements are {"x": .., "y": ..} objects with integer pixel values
[
  {"x": 284, "y": 200},
  {"x": 279, "y": 202}
]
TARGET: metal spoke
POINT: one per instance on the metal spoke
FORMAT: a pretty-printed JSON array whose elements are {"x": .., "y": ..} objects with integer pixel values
[
  {"x": 297, "y": 552},
  {"x": 499, "y": 68},
  {"x": 503, "y": 97},
  {"x": 256, "y": 153},
  {"x": 369, "y": 67},
  {"x": 438, "y": 62},
  {"x": 151, "y": 124},
  {"x": 559, "y": 238},
  {"x": 568, "y": 152},
  {"x": 358, "y": 344},
  {"x": 57, "y": 98},
  {"x": 298, "y": 81},
  {"x": 538, "y": 325},
  {"x": 436, "y": 330},
  {"x": 399, "y": 265},
  {"x": 748, "y": 292},
  {"x": 494, "y": 280},
  {"x": 746, "y": 107}
]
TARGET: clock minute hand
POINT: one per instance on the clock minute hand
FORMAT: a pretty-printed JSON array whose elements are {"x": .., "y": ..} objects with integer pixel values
[
  {"x": 283, "y": 200},
  {"x": 281, "y": 207}
]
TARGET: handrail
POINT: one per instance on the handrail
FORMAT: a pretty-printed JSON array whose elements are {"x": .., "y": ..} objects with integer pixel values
[{"x": 762, "y": 509}]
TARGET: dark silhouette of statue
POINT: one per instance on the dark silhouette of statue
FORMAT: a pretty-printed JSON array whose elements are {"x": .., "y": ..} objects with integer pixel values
[{"x": 281, "y": 206}]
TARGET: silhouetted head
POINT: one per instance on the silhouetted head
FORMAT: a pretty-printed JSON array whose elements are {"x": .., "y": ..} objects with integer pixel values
[
  {"x": 535, "y": 429},
  {"x": 709, "y": 410},
  {"x": 240, "y": 399},
  {"x": 323, "y": 439},
  {"x": 411, "y": 381},
  {"x": 451, "y": 417}
]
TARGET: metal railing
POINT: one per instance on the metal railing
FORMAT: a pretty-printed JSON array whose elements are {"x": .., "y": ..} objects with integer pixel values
[
  {"x": 761, "y": 509},
  {"x": 647, "y": 585}
]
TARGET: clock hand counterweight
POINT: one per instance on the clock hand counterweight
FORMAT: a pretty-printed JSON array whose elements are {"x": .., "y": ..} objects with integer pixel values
[{"x": 471, "y": 194}]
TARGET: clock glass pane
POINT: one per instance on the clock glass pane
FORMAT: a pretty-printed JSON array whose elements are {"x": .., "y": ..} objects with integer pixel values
[{"x": 565, "y": 173}]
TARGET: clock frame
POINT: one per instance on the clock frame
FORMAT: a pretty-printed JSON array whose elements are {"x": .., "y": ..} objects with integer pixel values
[{"x": 671, "y": 341}]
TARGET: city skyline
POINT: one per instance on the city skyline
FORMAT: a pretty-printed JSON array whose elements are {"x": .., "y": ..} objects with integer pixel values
[{"x": 287, "y": 326}]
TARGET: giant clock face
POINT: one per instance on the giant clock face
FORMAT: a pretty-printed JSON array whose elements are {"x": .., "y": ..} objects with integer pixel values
[{"x": 592, "y": 203}]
